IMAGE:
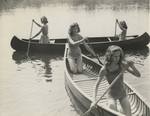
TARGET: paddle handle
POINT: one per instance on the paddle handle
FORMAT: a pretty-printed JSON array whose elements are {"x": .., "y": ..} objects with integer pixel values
[
  {"x": 30, "y": 37},
  {"x": 87, "y": 112},
  {"x": 115, "y": 28}
]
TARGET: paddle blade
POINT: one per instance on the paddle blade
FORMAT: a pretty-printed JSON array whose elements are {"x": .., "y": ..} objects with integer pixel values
[{"x": 87, "y": 112}]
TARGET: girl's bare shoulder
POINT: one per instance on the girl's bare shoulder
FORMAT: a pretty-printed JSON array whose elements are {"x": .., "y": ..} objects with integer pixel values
[{"x": 103, "y": 70}]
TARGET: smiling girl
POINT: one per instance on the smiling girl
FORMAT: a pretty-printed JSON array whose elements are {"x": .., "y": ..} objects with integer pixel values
[{"x": 74, "y": 52}]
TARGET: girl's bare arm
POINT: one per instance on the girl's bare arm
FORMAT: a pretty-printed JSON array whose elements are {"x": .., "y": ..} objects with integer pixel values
[
  {"x": 73, "y": 42},
  {"x": 132, "y": 69},
  {"x": 120, "y": 25},
  {"x": 88, "y": 48},
  {"x": 102, "y": 74},
  {"x": 37, "y": 34},
  {"x": 36, "y": 23}
]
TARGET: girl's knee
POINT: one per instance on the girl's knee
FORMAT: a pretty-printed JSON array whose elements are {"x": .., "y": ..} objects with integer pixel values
[
  {"x": 112, "y": 104},
  {"x": 113, "y": 107},
  {"x": 74, "y": 71}
]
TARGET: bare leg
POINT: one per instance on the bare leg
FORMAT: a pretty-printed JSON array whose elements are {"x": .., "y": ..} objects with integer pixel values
[
  {"x": 112, "y": 104},
  {"x": 125, "y": 106},
  {"x": 79, "y": 65},
  {"x": 72, "y": 65}
]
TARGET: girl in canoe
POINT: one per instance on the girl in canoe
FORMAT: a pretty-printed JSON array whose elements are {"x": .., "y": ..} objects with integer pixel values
[
  {"x": 44, "y": 30},
  {"x": 114, "y": 64},
  {"x": 123, "y": 27},
  {"x": 74, "y": 52}
]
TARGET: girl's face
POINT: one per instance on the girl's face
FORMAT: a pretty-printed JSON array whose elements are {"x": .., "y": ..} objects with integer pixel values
[
  {"x": 75, "y": 29},
  {"x": 116, "y": 57}
]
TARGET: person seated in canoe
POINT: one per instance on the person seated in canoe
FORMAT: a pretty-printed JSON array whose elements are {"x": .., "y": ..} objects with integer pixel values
[
  {"x": 114, "y": 64},
  {"x": 44, "y": 30},
  {"x": 74, "y": 52},
  {"x": 123, "y": 27}
]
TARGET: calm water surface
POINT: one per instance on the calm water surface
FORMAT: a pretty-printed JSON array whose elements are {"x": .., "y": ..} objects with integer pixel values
[{"x": 36, "y": 87}]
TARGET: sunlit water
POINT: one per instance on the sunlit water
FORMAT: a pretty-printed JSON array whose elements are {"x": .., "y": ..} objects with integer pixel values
[{"x": 36, "y": 87}]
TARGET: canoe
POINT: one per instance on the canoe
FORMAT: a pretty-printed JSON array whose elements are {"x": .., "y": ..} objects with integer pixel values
[
  {"x": 79, "y": 87},
  {"x": 98, "y": 43}
]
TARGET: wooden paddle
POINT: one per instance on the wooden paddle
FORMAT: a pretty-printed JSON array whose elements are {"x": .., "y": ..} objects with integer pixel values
[
  {"x": 115, "y": 28},
  {"x": 29, "y": 40},
  {"x": 94, "y": 51},
  {"x": 87, "y": 112}
]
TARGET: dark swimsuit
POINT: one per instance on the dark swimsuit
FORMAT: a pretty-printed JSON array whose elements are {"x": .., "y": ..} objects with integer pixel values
[{"x": 117, "y": 91}]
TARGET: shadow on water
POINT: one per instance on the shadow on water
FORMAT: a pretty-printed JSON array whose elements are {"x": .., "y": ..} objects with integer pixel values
[{"x": 41, "y": 62}]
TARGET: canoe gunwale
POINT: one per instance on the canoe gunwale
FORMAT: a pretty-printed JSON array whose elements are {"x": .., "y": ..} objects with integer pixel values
[{"x": 98, "y": 43}]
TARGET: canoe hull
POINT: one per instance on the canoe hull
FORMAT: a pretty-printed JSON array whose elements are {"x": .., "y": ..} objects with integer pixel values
[
  {"x": 21, "y": 45},
  {"x": 98, "y": 43},
  {"x": 80, "y": 89}
]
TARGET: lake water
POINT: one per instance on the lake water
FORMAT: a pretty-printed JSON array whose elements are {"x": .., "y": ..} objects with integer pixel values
[{"x": 37, "y": 87}]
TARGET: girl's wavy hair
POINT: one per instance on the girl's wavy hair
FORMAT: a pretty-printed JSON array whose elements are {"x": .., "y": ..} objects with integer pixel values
[
  {"x": 109, "y": 52},
  {"x": 44, "y": 19},
  {"x": 70, "y": 31},
  {"x": 123, "y": 24}
]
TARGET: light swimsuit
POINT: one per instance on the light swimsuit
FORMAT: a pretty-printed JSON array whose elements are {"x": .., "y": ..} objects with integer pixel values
[
  {"x": 44, "y": 39},
  {"x": 74, "y": 51},
  {"x": 118, "y": 89},
  {"x": 123, "y": 34}
]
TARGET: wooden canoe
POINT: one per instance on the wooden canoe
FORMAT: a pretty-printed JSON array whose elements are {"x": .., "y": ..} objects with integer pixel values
[
  {"x": 80, "y": 89},
  {"x": 98, "y": 43}
]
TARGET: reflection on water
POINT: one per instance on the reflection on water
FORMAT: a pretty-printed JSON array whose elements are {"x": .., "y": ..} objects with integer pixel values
[{"x": 40, "y": 62}]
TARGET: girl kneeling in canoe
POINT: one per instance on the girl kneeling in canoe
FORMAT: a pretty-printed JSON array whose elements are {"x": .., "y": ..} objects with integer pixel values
[
  {"x": 112, "y": 68},
  {"x": 44, "y": 30},
  {"x": 74, "y": 52}
]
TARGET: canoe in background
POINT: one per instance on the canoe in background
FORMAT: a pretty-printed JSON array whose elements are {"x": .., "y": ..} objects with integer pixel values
[
  {"x": 80, "y": 88},
  {"x": 98, "y": 43}
]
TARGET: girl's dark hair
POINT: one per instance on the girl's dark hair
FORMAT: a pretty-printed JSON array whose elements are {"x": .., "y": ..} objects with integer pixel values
[
  {"x": 123, "y": 24},
  {"x": 70, "y": 32},
  {"x": 109, "y": 52}
]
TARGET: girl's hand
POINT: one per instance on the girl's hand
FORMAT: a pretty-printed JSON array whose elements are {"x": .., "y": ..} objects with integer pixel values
[
  {"x": 33, "y": 20},
  {"x": 93, "y": 105},
  {"x": 86, "y": 38},
  {"x": 130, "y": 63}
]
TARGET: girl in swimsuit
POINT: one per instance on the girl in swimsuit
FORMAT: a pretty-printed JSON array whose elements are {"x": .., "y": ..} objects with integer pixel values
[
  {"x": 113, "y": 66},
  {"x": 123, "y": 27},
  {"x": 44, "y": 30},
  {"x": 74, "y": 52}
]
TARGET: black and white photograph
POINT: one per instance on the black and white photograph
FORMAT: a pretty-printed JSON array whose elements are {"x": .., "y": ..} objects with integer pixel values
[{"x": 74, "y": 58}]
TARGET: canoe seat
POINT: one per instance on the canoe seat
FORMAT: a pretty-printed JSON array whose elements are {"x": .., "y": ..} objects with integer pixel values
[{"x": 131, "y": 93}]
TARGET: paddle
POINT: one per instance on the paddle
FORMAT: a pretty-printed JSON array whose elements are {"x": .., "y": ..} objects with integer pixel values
[
  {"x": 87, "y": 112},
  {"x": 94, "y": 51},
  {"x": 29, "y": 40},
  {"x": 115, "y": 28}
]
